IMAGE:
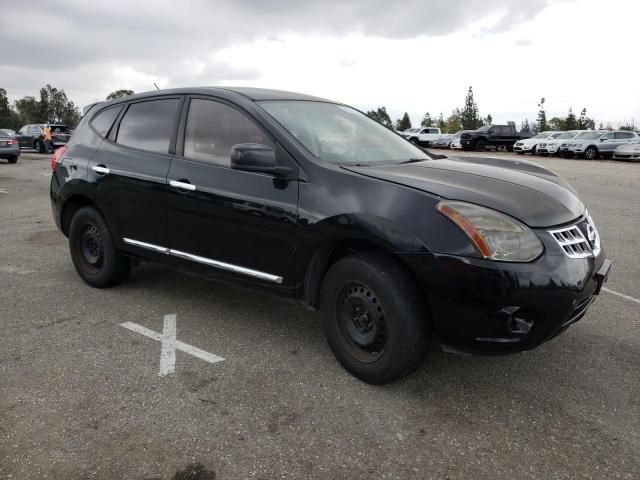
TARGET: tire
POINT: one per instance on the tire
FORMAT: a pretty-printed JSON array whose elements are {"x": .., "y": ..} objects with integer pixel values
[
  {"x": 534, "y": 150},
  {"x": 481, "y": 145},
  {"x": 374, "y": 318},
  {"x": 92, "y": 250},
  {"x": 414, "y": 140},
  {"x": 13, "y": 159},
  {"x": 591, "y": 153},
  {"x": 38, "y": 146}
]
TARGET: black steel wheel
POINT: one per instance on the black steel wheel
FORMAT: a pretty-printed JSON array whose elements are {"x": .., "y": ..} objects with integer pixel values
[
  {"x": 361, "y": 320},
  {"x": 92, "y": 250},
  {"x": 374, "y": 317}
]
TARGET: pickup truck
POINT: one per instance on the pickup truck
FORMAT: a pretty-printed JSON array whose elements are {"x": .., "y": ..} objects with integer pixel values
[
  {"x": 422, "y": 136},
  {"x": 491, "y": 136}
]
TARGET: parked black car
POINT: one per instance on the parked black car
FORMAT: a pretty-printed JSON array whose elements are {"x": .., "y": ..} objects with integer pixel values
[
  {"x": 492, "y": 136},
  {"x": 32, "y": 136},
  {"x": 314, "y": 201}
]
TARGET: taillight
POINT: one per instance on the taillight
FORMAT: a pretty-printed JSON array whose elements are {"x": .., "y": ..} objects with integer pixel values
[
  {"x": 55, "y": 158},
  {"x": 12, "y": 141}
]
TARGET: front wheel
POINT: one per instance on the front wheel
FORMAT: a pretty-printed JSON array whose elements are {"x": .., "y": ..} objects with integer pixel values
[
  {"x": 590, "y": 153},
  {"x": 481, "y": 145},
  {"x": 374, "y": 318},
  {"x": 93, "y": 252}
]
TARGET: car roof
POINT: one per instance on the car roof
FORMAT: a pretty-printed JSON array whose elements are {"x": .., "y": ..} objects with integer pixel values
[{"x": 255, "y": 94}]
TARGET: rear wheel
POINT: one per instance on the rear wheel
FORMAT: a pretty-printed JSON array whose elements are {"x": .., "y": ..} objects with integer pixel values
[
  {"x": 92, "y": 250},
  {"x": 374, "y": 318},
  {"x": 591, "y": 153},
  {"x": 13, "y": 159}
]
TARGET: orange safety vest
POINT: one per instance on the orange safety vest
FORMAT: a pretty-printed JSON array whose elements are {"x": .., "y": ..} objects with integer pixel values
[{"x": 47, "y": 134}]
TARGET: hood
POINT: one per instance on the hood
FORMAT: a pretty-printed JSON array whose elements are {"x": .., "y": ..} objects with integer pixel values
[{"x": 522, "y": 189}]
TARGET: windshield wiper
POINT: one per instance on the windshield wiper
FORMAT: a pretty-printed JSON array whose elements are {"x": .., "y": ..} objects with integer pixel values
[{"x": 412, "y": 160}]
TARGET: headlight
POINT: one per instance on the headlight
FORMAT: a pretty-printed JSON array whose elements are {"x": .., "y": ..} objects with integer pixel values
[{"x": 495, "y": 235}]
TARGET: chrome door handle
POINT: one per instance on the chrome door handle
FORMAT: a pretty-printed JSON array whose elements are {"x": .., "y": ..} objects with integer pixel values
[
  {"x": 101, "y": 169},
  {"x": 182, "y": 185}
]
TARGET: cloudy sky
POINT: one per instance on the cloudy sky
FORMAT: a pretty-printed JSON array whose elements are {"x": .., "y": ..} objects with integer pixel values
[{"x": 413, "y": 55}]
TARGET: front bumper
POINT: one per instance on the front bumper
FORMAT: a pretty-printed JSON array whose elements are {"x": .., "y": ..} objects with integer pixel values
[
  {"x": 489, "y": 307},
  {"x": 627, "y": 156}
]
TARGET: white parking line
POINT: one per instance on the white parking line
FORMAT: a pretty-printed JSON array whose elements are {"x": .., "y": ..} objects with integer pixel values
[
  {"x": 170, "y": 344},
  {"x": 3, "y": 190},
  {"x": 626, "y": 297},
  {"x": 168, "y": 352}
]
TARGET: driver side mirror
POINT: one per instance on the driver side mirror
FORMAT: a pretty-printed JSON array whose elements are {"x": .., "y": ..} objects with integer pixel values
[{"x": 256, "y": 157}]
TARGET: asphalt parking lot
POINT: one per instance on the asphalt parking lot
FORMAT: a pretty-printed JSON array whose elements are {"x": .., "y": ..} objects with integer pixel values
[{"x": 81, "y": 396}]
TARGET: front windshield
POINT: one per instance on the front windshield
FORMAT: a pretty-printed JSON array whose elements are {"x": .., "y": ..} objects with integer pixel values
[
  {"x": 590, "y": 135},
  {"x": 567, "y": 135},
  {"x": 541, "y": 135},
  {"x": 484, "y": 128},
  {"x": 341, "y": 135}
]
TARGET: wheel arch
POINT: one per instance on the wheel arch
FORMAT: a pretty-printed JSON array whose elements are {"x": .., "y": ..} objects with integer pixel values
[
  {"x": 330, "y": 253},
  {"x": 71, "y": 206}
]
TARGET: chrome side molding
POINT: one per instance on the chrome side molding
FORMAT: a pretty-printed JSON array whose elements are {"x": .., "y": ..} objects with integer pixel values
[
  {"x": 229, "y": 267},
  {"x": 148, "y": 246}
]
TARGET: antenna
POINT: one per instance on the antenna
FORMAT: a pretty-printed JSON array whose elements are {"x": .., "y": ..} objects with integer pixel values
[{"x": 154, "y": 84}]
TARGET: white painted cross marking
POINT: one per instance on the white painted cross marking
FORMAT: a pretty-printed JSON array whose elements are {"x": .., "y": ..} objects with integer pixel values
[
  {"x": 169, "y": 344},
  {"x": 168, "y": 352}
]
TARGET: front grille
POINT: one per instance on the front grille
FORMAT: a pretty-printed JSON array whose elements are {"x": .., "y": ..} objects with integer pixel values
[{"x": 573, "y": 242}]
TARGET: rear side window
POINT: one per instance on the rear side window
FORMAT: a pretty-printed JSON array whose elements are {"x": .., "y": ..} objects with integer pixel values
[
  {"x": 213, "y": 128},
  {"x": 149, "y": 125},
  {"x": 621, "y": 135},
  {"x": 102, "y": 122}
]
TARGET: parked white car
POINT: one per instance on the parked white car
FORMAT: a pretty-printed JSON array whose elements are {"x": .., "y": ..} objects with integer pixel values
[
  {"x": 553, "y": 147},
  {"x": 422, "y": 136},
  {"x": 410, "y": 131},
  {"x": 630, "y": 151},
  {"x": 455, "y": 143},
  {"x": 530, "y": 145}
]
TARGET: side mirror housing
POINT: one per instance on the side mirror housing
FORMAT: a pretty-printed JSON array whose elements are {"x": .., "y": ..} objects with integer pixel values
[{"x": 256, "y": 157}]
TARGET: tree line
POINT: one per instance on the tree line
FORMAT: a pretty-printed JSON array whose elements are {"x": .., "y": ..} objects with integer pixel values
[
  {"x": 468, "y": 118},
  {"x": 52, "y": 106}
]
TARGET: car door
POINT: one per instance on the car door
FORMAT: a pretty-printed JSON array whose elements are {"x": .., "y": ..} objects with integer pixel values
[
  {"x": 225, "y": 221},
  {"x": 130, "y": 170},
  {"x": 607, "y": 143},
  {"x": 22, "y": 137}
]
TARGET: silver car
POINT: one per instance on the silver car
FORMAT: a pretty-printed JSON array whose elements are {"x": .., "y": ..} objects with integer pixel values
[
  {"x": 590, "y": 145},
  {"x": 630, "y": 151},
  {"x": 9, "y": 147}
]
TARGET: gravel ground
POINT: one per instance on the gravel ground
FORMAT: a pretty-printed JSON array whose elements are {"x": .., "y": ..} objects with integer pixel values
[{"x": 80, "y": 396}]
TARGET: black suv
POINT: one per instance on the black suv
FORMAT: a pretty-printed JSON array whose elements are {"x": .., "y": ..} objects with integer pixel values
[{"x": 314, "y": 201}]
